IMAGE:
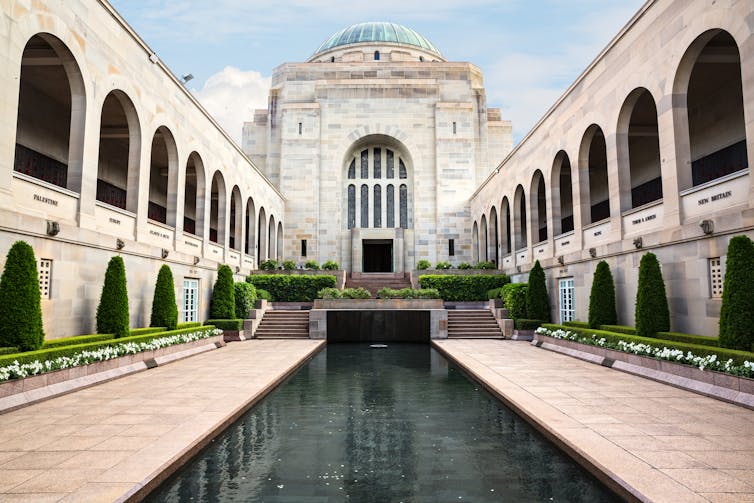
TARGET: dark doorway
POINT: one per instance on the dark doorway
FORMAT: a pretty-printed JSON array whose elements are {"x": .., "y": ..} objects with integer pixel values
[{"x": 378, "y": 255}]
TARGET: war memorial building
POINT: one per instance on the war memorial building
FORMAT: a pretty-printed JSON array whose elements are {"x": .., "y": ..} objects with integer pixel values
[{"x": 376, "y": 152}]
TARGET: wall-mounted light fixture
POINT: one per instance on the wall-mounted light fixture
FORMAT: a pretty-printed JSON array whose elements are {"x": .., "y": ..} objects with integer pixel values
[
  {"x": 238, "y": 268},
  {"x": 561, "y": 260},
  {"x": 186, "y": 78},
  {"x": 53, "y": 228},
  {"x": 638, "y": 242},
  {"x": 196, "y": 260},
  {"x": 593, "y": 252},
  {"x": 708, "y": 226},
  {"x": 119, "y": 244},
  {"x": 165, "y": 253}
]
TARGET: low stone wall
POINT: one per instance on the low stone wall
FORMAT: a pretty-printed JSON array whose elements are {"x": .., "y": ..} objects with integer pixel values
[
  {"x": 378, "y": 304},
  {"x": 730, "y": 388},
  {"x": 21, "y": 392}
]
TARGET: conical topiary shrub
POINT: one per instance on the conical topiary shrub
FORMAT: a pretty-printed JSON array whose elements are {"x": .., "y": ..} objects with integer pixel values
[
  {"x": 223, "y": 295},
  {"x": 164, "y": 308},
  {"x": 737, "y": 311},
  {"x": 112, "y": 312},
  {"x": 537, "y": 302},
  {"x": 602, "y": 298},
  {"x": 20, "y": 310},
  {"x": 652, "y": 314}
]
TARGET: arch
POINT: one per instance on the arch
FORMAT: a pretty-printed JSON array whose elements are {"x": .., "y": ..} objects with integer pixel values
[
  {"x": 194, "y": 196},
  {"x": 638, "y": 144},
  {"x": 595, "y": 191},
  {"x": 163, "y": 174},
  {"x": 262, "y": 235},
  {"x": 217, "y": 227},
  {"x": 561, "y": 194},
  {"x": 51, "y": 114},
  {"x": 494, "y": 245},
  {"x": 280, "y": 241},
  {"x": 538, "y": 201},
  {"x": 235, "y": 227},
  {"x": 711, "y": 134},
  {"x": 475, "y": 243},
  {"x": 369, "y": 199},
  {"x": 519, "y": 219},
  {"x": 483, "y": 234},
  {"x": 505, "y": 223},
  {"x": 271, "y": 235},
  {"x": 250, "y": 234}
]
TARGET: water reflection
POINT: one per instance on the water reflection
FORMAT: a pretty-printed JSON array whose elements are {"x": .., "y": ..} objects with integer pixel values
[{"x": 374, "y": 425}]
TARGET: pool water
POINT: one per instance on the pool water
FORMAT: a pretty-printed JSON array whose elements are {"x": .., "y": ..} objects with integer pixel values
[{"x": 393, "y": 424}]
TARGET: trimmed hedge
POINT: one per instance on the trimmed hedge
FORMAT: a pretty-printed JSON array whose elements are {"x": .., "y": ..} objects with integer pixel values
[
  {"x": 689, "y": 338},
  {"x": 355, "y": 293},
  {"x": 79, "y": 339},
  {"x": 148, "y": 330},
  {"x": 524, "y": 324},
  {"x": 223, "y": 295},
  {"x": 487, "y": 265},
  {"x": 232, "y": 324},
  {"x": 443, "y": 266},
  {"x": 514, "y": 299},
  {"x": 246, "y": 297},
  {"x": 20, "y": 307},
  {"x": 408, "y": 293},
  {"x": 289, "y": 265},
  {"x": 577, "y": 324},
  {"x": 164, "y": 308},
  {"x": 723, "y": 354},
  {"x": 463, "y": 288},
  {"x": 495, "y": 293},
  {"x": 263, "y": 294},
  {"x": 330, "y": 265},
  {"x": 737, "y": 311},
  {"x": 537, "y": 300},
  {"x": 8, "y": 350},
  {"x": 329, "y": 293},
  {"x": 188, "y": 324},
  {"x": 50, "y": 353},
  {"x": 112, "y": 311},
  {"x": 284, "y": 288},
  {"x": 312, "y": 265},
  {"x": 423, "y": 265},
  {"x": 652, "y": 313},
  {"x": 602, "y": 297},
  {"x": 619, "y": 329},
  {"x": 269, "y": 265}
]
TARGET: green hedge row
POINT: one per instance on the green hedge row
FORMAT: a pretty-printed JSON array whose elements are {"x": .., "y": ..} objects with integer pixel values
[
  {"x": 524, "y": 324},
  {"x": 79, "y": 339},
  {"x": 70, "y": 350},
  {"x": 284, "y": 288},
  {"x": 408, "y": 293},
  {"x": 231, "y": 324},
  {"x": 147, "y": 330},
  {"x": 619, "y": 329},
  {"x": 577, "y": 324},
  {"x": 188, "y": 324},
  {"x": 463, "y": 288},
  {"x": 663, "y": 336},
  {"x": 8, "y": 350},
  {"x": 737, "y": 356}
]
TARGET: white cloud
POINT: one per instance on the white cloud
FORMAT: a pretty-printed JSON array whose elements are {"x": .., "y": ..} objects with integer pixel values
[{"x": 232, "y": 95}]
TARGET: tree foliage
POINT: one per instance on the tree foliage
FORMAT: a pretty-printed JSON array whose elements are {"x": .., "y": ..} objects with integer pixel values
[
  {"x": 737, "y": 311},
  {"x": 223, "y": 295},
  {"x": 246, "y": 297},
  {"x": 112, "y": 311},
  {"x": 164, "y": 307},
  {"x": 602, "y": 298},
  {"x": 20, "y": 308},
  {"x": 652, "y": 313},
  {"x": 537, "y": 301}
]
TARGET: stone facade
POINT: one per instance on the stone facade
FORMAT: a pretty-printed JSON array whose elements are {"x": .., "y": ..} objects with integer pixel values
[{"x": 655, "y": 135}]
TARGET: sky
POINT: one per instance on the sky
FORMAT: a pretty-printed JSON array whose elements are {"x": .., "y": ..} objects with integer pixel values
[{"x": 529, "y": 51}]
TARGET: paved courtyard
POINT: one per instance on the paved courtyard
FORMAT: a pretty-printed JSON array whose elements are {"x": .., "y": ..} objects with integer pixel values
[
  {"x": 663, "y": 443},
  {"x": 104, "y": 443}
]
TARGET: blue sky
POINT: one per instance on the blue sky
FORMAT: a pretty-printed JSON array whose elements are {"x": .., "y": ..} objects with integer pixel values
[{"x": 529, "y": 51}]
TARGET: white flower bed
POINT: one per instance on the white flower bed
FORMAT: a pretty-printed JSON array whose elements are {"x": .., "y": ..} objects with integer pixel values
[
  {"x": 661, "y": 353},
  {"x": 18, "y": 370}
]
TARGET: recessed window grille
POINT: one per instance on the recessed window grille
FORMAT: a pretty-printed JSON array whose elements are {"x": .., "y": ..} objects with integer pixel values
[
  {"x": 716, "y": 277},
  {"x": 44, "y": 270}
]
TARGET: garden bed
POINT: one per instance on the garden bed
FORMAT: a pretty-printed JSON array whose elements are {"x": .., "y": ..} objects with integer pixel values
[
  {"x": 23, "y": 391},
  {"x": 723, "y": 386}
]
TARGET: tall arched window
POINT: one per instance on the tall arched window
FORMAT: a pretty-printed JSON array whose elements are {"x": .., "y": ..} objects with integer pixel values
[
  {"x": 494, "y": 244},
  {"x": 369, "y": 197},
  {"x": 538, "y": 199},
  {"x": 51, "y": 114},
  {"x": 217, "y": 209},
  {"x": 235, "y": 229},
  {"x": 483, "y": 235},
  {"x": 505, "y": 221},
  {"x": 519, "y": 200},
  {"x": 262, "y": 235},
  {"x": 251, "y": 219},
  {"x": 194, "y": 196},
  {"x": 595, "y": 193},
  {"x": 376, "y": 55},
  {"x": 562, "y": 194},
  {"x": 119, "y": 151},
  {"x": 163, "y": 170},
  {"x": 475, "y": 242}
]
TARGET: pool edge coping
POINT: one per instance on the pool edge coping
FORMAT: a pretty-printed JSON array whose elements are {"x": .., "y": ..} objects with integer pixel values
[{"x": 141, "y": 490}]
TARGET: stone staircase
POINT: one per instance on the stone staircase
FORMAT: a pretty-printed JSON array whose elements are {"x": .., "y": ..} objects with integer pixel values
[
  {"x": 473, "y": 324},
  {"x": 284, "y": 324},
  {"x": 375, "y": 281}
]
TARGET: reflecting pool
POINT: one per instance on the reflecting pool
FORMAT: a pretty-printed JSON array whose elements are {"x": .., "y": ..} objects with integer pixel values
[{"x": 371, "y": 425}]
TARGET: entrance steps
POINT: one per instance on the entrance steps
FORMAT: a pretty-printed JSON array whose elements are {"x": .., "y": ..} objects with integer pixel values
[
  {"x": 473, "y": 324},
  {"x": 284, "y": 324},
  {"x": 375, "y": 281}
]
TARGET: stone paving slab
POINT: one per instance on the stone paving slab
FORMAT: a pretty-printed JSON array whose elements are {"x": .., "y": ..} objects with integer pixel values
[
  {"x": 113, "y": 441},
  {"x": 654, "y": 442}
]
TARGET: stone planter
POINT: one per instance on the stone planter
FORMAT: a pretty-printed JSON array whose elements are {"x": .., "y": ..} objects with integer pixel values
[
  {"x": 377, "y": 304},
  {"x": 522, "y": 335},
  {"x": 20, "y": 392},
  {"x": 730, "y": 388},
  {"x": 234, "y": 335}
]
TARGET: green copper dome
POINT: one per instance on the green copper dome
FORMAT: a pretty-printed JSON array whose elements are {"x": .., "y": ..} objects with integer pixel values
[{"x": 377, "y": 32}]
